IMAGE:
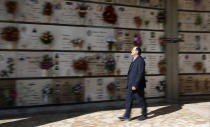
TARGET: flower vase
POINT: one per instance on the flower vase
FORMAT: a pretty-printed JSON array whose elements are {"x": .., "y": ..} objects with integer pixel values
[
  {"x": 163, "y": 48},
  {"x": 110, "y": 46},
  {"x": 14, "y": 45},
  {"x": 44, "y": 73},
  {"x": 118, "y": 72},
  {"x": 111, "y": 72},
  {"x": 80, "y": 44},
  {"x": 45, "y": 99},
  {"x": 11, "y": 17},
  {"x": 48, "y": 19},
  {"x": 50, "y": 46}
]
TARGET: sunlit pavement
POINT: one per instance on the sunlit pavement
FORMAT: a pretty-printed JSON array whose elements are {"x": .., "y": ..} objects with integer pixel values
[{"x": 175, "y": 115}]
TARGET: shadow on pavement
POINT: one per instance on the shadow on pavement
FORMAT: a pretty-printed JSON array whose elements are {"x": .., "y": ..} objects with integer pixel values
[{"x": 38, "y": 119}]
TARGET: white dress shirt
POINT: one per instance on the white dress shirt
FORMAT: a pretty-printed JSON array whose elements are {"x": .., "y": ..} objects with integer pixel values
[{"x": 134, "y": 57}]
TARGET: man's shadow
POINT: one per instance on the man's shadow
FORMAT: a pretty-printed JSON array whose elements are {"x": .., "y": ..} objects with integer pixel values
[{"x": 166, "y": 109}]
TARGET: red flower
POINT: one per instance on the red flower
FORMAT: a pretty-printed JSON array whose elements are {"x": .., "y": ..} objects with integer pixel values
[
  {"x": 109, "y": 15},
  {"x": 138, "y": 20}
]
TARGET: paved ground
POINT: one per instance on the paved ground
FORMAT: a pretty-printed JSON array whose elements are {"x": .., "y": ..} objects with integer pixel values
[{"x": 175, "y": 115}]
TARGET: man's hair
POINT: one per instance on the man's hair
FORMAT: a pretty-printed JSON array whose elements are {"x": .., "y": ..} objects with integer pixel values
[{"x": 138, "y": 49}]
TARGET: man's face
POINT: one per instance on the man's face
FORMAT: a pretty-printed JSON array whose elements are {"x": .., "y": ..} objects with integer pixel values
[{"x": 134, "y": 52}]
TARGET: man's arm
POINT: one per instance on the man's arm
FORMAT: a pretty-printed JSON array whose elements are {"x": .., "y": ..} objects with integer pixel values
[{"x": 139, "y": 70}]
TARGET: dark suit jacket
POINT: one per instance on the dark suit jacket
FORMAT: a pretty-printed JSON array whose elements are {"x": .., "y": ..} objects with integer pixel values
[{"x": 136, "y": 74}]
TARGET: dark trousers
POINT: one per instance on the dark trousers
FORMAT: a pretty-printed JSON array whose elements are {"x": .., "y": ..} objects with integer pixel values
[{"x": 139, "y": 95}]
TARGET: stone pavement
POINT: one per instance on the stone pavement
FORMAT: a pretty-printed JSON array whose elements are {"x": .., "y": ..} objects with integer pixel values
[{"x": 164, "y": 115}]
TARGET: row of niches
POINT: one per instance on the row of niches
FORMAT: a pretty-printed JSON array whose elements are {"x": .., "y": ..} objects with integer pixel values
[
  {"x": 76, "y": 90},
  {"x": 48, "y": 37},
  {"x": 194, "y": 84},
  {"x": 194, "y": 21},
  {"x": 200, "y": 5},
  {"x": 142, "y": 3},
  {"x": 194, "y": 42},
  {"x": 194, "y": 63},
  {"x": 80, "y": 13},
  {"x": 55, "y": 64}
]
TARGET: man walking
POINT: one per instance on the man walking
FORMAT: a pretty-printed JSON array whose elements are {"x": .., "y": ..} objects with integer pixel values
[{"x": 135, "y": 84}]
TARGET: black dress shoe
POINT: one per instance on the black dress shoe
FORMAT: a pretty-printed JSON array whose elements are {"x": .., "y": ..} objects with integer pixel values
[
  {"x": 124, "y": 118},
  {"x": 142, "y": 117}
]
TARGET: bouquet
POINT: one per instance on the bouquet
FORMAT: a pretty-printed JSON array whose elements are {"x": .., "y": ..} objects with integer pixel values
[
  {"x": 47, "y": 38},
  {"x": 161, "y": 17},
  {"x": 11, "y": 6},
  {"x": 137, "y": 21},
  {"x": 137, "y": 40},
  {"x": 46, "y": 63},
  {"x": 82, "y": 10},
  {"x": 109, "y": 15},
  {"x": 110, "y": 41},
  {"x": 48, "y": 9},
  {"x": 77, "y": 42},
  {"x": 10, "y": 34},
  {"x": 110, "y": 64},
  {"x": 81, "y": 65}
]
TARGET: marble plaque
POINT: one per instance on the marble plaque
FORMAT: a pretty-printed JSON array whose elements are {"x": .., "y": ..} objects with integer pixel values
[
  {"x": 8, "y": 93},
  {"x": 68, "y": 90},
  {"x": 34, "y": 92},
  {"x": 194, "y": 84}
]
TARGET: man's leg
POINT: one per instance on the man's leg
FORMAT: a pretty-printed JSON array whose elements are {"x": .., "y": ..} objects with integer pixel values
[
  {"x": 129, "y": 102},
  {"x": 128, "y": 106},
  {"x": 141, "y": 100}
]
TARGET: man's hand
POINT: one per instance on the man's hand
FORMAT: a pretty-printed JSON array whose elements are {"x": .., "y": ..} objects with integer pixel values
[{"x": 133, "y": 88}]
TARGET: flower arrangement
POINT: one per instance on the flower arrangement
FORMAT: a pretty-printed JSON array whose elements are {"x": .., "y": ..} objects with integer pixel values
[
  {"x": 161, "y": 17},
  {"x": 47, "y": 38},
  {"x": 10, "y": 34},
  {"x": 109, "y": 15},
  {"x": 82, "y": 10},
  {"x": 146, "y": 22},
  {"x": 110, "y": 64},
  {"x": 47, "y": 91},
  {"x": 8, "y": 96},
  {"x": 198, "y": 66},
  {"x": 12, "y": 95},
  {"x": 77, "y": 42},
  {"x": 161, "y": 86},
  {"x": 11, "y": 7},
  {"x": 46, "y": 63},
  {"x": 137, "y": 21},
  {"x": 197, "y": 42},
  {"x": 197, "y": 3},
  {"x": 198, "y": 20},
  {"x": 162, "y": 44},
  {"x": 10, "y": 68},
  {"x": 110, "y": 40},
  {"x": 81, "y": 64},
  {"x": 137, "y": 40},
  {"x": 77, "y": 89},
  {"x": 111, "y": 87},
  {"x": 48, "y": 9}
]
